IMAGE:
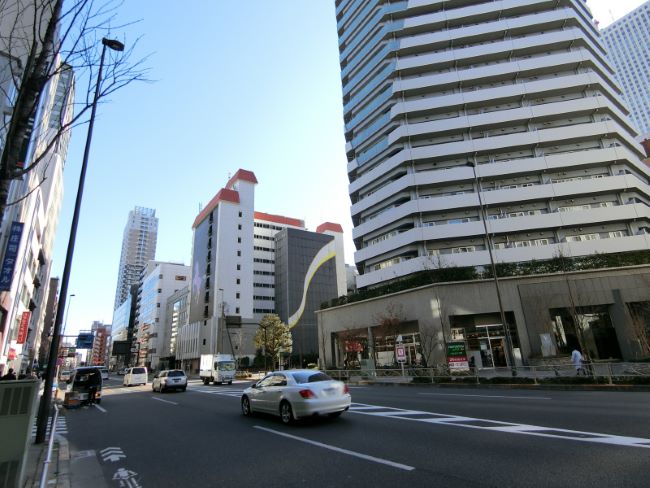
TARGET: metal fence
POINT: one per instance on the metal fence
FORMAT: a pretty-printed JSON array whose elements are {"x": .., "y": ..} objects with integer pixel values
[{"x": 598, "y": 373}]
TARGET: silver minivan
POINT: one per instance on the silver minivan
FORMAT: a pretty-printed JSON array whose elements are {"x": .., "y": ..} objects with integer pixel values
[{"x": 135, "y": 376}]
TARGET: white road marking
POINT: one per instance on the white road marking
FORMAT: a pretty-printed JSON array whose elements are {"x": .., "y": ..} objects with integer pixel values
[
  {"x": 486, "y": 396},
  {"x": 338, "y": 449},
  {"x": 499, "y": 426},
  {"x": 101, "y": 409},
  {"x": 161, "y": 400},
  {"x": 220, "y": 391}
]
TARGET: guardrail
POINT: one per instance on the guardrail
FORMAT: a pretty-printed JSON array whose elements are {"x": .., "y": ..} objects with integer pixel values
[{"x": 594, "y": 373}]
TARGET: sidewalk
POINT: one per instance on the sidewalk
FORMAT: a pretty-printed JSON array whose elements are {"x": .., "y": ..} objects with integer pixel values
[{"x": 58, "y": 472}]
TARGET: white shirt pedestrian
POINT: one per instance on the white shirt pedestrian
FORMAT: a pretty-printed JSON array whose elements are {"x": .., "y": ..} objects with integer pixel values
[{"x": 576, "y": 359}]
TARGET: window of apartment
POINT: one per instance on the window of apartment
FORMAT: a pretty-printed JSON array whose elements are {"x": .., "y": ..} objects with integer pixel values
[
  {"x": 240, "y": 214},
  {"x": 237, "y": 310},
  {"x": 180, "y": 278},
  {"x": 238, "y": 253},
  {"x": 237, "y": 295},
  {"x": 617, "y": 233},
  {"x": 160, "y": 277},
  {"x": 238, "y": 267},
  {"x": 238, "y": 281},
  {"x": 204, "y": 342},
  {"x": 458, "y": 250},
  {"x": 239, "y": 240},
  {"x": 159, "y": 290},
  {"x": 157, "y": 305},
  {"x": 239, "y": 226}
]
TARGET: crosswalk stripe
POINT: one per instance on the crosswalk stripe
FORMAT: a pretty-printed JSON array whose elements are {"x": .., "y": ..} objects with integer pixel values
[
  {"x": 60, "y": 427},
  {"x": 496, "y": 425}
]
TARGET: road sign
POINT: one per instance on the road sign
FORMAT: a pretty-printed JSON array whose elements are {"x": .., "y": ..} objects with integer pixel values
[
  {"x": 85, "y": 340},
  {"x": 400, "y": 353}
]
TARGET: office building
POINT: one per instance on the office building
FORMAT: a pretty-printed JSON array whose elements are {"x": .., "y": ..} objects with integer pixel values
[
  {"x": 628, "y": 49},
  {"x": 234, "y": 280},
  {"x": 160, "y": 280},
  {"x": 138, "y": 247},
  {"x": 470, "y": 112}
]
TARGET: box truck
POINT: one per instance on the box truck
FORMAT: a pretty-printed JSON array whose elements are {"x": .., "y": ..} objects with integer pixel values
[{"x": 219, "y": 368}]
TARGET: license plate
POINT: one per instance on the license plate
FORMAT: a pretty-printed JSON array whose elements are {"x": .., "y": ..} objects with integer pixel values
[{"x": 330, "y": 391}]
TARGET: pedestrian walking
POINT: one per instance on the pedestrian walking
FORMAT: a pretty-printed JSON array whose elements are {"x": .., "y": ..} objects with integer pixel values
[
  {"x": 576, "y": 359},
  {"x": 9, "y": 376}
]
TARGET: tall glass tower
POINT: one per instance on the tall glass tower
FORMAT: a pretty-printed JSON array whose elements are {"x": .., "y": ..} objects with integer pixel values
[
  {"x": 138, "y": 247},
  {"x": 628, "y": 48},
  {"x": 472, "y": 123}
]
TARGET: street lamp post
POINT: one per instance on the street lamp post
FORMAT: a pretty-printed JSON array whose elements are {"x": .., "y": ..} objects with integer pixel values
[
  {"x": 509, "y": 352},
  {"x": 46, "y": 400}
]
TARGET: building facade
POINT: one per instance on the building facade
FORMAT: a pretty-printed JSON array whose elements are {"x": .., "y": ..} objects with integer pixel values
[
  {"x": 29, "y": 227},
  {"x": 305, "y": 277},
  {"x": 160, "y": 280},
  {"x": 234, "y": 280},
  {"x": 628, "y": 48},
  {"x": 138, "y": 247},
  {"x": 469, "y": 125}
]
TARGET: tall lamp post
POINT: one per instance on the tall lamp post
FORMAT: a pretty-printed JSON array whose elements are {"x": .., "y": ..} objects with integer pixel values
[
  {"x": 46, "y": 400},
  {"x": 509, "y": 352}
]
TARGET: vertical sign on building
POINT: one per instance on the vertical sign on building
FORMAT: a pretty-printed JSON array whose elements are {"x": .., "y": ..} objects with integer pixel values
[
  {"x": 9, "y": 261},
  {"x": 22, "y": 330}
]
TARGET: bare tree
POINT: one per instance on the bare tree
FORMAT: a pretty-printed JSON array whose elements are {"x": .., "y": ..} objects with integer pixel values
[
  {"x": 41, "y": 39},
  {"x": 388, "y": 324}
]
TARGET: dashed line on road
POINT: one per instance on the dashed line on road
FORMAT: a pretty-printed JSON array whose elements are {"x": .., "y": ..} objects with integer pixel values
[
  {"x": 487, "y": 396},
  {"x": 339, "y": 449},
  {"x": 101, "y": 409},
  {"x": 165, "y": 401},
  {"x": 496, "y": 425}
]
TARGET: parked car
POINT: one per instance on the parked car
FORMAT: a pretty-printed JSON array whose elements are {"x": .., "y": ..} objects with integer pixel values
[
  {"x": 85, "y": 386},
  {"x": 169, "y": 379},
  {"x": 295, "y": 394},
  {"x": 135, "y": 376}
]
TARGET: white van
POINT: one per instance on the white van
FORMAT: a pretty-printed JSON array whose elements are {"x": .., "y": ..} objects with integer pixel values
[
  {"x": 104, "y": 371},
  {"x": 135, "y": 376}
]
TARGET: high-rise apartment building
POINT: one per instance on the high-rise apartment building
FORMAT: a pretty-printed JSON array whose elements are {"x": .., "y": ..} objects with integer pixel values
[
  {"x": 138, "y": 247},
  {"x": 628, "y": 48},
  {"x": 472, "y": 118}
]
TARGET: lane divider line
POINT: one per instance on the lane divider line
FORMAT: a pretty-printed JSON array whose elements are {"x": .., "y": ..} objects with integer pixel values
[
  {"x": 101, "y": 409},
  {"x": 161, "y": 400},
  {"x": 338, "y": 449}
]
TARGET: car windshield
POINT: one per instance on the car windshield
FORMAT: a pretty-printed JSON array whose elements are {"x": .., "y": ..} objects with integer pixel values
[
  {"x": 175, "y": 373},
  {"x": 309, "y": 377},
  {"x": 138, "y": 371},
  {"x": 226, "y": 365}
]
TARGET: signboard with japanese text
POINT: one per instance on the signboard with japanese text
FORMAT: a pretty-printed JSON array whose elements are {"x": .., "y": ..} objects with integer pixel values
[
  {"x": 9, "y": 261},
  {"x": 23, "y": 328},
  {"x": 457, "y": 357}
]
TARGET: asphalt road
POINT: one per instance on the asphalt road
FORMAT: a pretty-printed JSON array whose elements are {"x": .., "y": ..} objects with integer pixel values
[{"x": 392, "y": 437}]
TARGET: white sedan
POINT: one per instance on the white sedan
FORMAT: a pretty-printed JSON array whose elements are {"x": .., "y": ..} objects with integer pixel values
[{"x": 296, "y": 394}]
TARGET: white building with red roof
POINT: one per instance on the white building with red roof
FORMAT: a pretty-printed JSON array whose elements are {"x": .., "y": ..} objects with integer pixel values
[{"x": 233, "y": 270}]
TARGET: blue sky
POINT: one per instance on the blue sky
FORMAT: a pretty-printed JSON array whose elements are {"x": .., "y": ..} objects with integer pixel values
[{"x": 251, "y": 85}]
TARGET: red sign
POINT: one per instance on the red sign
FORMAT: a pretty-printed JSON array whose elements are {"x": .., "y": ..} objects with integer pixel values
[
  {"x": 12, "y": 354},
  {"x": 22, "y": 330}
]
